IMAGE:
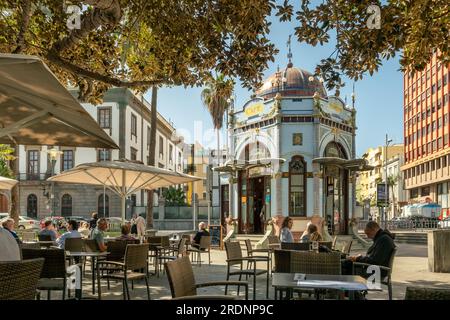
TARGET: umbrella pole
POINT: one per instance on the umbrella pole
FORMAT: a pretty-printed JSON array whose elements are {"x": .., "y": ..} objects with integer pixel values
[
  {"x": 123, "y": 196},
  {"x": 123, "y": 200}
]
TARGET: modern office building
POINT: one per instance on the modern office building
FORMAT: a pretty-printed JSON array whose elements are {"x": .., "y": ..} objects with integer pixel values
[{"x": 426, "y": 133}]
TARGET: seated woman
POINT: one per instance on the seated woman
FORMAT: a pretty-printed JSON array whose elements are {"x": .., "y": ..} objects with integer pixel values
[
  {"x": 125, "y": 233},
  {"x": 312, "y": 229},
  {"x": 285, "y": 232},
  {"x": 84, "y": 230}
]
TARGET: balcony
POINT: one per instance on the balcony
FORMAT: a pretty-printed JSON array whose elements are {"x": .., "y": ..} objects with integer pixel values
[{"x": 33, "y": 176}]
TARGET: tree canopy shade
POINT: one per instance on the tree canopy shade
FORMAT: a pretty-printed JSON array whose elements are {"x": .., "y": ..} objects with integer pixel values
[
  {"x": 140, "y": 43},
  {"x": 413, "y": 27}
]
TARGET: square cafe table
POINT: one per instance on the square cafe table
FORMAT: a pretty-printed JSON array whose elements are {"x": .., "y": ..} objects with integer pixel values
[
  {"x": 94, "y": 256},
  {"x": 289, "y": 282}
]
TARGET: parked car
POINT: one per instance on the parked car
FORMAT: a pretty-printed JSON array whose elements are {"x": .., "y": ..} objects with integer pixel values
[
  {"x": 25, "y": 223},
  {"x": 445, "y": 223},
  {"x": 78, "y": 219},
  {"x": 114, "y": 223}
]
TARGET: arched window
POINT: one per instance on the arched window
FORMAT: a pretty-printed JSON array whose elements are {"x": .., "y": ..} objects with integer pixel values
[
  {"x": 336, "y": 150},
  {"x": 32, "y": 206},
  {"x": 66, "y": 205},
  {"x": 103, "y": 206},
  {"x": 297, "y": 187}
]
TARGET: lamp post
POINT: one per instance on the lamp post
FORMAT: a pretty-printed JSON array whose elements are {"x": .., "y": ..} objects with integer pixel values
[
  {"x": 53, "y": 154},
  {"x": 386, "y": 202}
]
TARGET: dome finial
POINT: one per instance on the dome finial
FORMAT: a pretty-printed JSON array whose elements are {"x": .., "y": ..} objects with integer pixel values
[{"x": 289, "y": 52}]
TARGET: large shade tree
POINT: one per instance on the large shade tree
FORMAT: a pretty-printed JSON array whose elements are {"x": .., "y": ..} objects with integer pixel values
[
  {"x": 141, "y": 43},
  {"x": 411, "y": 28}
]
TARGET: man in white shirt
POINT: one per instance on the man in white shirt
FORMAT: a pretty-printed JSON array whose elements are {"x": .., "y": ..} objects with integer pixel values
[
  {"x": 141, "y": 226},
  {"x": 9, "y": 249}
]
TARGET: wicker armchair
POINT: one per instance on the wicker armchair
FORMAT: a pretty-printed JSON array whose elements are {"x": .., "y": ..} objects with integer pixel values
[
  {"x": 347, "y": 247},
  {"x": 315, "y": 263},
  {"x": 182, "y": 281},
  {"x": 386, "y": 272},
  {"x": 53, "y": 275},
  {"x": 204, "y": 247},
  {"x": 235, "y": 258},
  {"x": 298, "y": 246},
  {"x": 251, "y": 252},
  {"x": 28, "y": 236},
  {"x": 133, "y": 268},
  {"x": 19, "y": 279},
  {"x": 420, "y": 293},
  {"x": 179, "y": 251}
]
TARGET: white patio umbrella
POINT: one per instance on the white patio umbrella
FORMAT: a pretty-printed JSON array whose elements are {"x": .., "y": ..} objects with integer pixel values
[
  {"x": 7, "y": 183},
  {"x": 36, "y": 109},
  {"x": 122, "y": 177}
]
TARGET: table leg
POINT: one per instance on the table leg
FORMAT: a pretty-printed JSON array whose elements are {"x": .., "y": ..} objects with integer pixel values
[{"x": 93, "y": 274}]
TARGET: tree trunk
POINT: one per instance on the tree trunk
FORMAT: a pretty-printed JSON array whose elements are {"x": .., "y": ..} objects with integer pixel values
[
  {"x": 15, "y": 190},
  {"x": 152, "y": 151}
]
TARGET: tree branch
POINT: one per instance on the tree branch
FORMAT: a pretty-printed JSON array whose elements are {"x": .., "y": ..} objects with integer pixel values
[
  {"x": 106, "y": 12},
  {"x": 25, "y": 21},
  {"x": 77, "y": 70}
]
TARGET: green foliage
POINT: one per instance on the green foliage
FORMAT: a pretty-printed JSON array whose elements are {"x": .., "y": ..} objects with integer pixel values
[
  {"x": 141, "y": 43},
  {"x": 174, "y": 196},
  {"x": 412, "y": 28},
  {"x": 6, "y": 154}
]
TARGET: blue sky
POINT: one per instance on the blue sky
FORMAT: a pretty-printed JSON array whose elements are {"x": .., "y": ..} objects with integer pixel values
[{"x": 378, "y": 98}]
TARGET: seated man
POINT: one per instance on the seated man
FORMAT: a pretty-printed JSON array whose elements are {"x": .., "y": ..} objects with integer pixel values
[
  {"x": 98, "y": 234},
  {"x": 202, "y": 232},
  {"x": 49, "y": 230},
  {"x": 9, "y": 249},
  {"x": 8, "y": 224},
  {"x": 378, "y": 254},
  {"x": 72, "y": 232}
]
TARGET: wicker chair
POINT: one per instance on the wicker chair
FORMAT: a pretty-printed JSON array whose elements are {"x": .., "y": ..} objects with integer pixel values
[
  {"x": 28, "y": 236},
  {"x": 347, "y": 247},
  {"x": 315, "y": 263},
  {"x": 420, "y": 293},
  {"x": 298, "y": 246},
  {"x": 235, "y": 258},
  {"x": 133, "y": 268},
  {"x": 19, "y": 279},
  {"x": 182, "y": 281},
  {"x": 251, "y": 252},
  {"x": 204, "y": 247},
  {"x": 386, "y": 272},
  {"x": 73, "y": 245},
  {"x": 333, "y": 243},
  {"x": 54, "y": 274},
  {"x": 274, "y": 242},
  {"x": 289, "y": 261},
  {"x": 179, "y": 251}
]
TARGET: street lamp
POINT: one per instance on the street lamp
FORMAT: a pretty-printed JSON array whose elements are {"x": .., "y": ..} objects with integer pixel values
[
  {"x": 386, "y": 202},
  {"x": 53, "y": 154}
]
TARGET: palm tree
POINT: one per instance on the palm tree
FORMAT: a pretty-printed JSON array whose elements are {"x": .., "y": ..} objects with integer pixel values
[
  {"x": 152, "y": 151},
  {"x": 215, "y": 98}
]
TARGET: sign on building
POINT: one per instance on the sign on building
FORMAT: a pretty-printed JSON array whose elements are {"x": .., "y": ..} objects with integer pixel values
[{"x": 382, "y": 193}]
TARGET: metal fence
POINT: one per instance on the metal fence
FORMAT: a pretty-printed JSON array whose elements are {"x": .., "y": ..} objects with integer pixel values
[
  {"x": 408, "y": 224},
  {"x": 180, "y": 212}
]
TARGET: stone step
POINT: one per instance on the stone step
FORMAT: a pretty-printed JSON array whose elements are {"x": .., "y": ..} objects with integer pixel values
[{"x": 407, "y": 237}]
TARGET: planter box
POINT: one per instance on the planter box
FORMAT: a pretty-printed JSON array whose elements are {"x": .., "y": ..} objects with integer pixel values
[{"x": 439, "y": 251}]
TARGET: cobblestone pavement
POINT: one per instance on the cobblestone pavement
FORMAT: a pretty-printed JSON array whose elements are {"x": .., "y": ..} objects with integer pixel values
[{"x": 410, "y": 269}]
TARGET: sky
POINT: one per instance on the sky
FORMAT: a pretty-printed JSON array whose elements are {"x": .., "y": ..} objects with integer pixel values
[{"x": 378, "y": 98}]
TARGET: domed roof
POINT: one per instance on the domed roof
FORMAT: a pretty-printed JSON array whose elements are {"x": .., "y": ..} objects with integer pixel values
[{"x": 291, "y": 81}]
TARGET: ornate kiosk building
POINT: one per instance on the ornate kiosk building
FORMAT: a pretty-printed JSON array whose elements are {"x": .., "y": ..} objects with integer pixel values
[{"x": 292, "y": 154}]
